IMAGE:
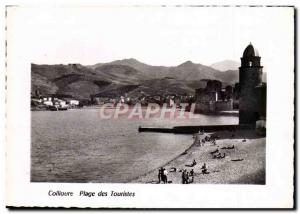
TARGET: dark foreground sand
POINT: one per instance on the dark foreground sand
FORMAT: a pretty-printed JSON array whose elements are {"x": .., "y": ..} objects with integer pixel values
[{"x": 251, "y": 170}]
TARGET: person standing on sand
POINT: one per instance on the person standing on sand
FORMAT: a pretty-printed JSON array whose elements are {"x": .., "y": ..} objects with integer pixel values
[
  {"x": 186, "y": 177},
  {"x": 159, "y": 175},
  {"x": 165, "y": 173},
  {"x": 163, "y": 178},
  {"x": 192, "y": 175},
  {"x": 183, "y": 177}
]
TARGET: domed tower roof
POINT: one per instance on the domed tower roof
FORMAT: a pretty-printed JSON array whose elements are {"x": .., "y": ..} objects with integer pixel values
[{"x": 250, "y": 51}]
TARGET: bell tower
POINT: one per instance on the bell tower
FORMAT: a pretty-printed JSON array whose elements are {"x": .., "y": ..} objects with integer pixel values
[{"x": 250, "y": 77}]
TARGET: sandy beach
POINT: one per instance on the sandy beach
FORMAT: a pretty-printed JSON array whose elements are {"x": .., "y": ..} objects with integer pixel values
[{"x": 244, "y": 164}]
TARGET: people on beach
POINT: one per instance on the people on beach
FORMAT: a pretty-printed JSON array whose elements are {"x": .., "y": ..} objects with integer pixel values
[
  {"x": 214, "y": 143},
  {"x": 215, "y": 151},
  {"x": 173, "y": 169},
  {"x": 239, "y": 159},
  {"x": 165, "y": 175},
  {"x": 228, "y": 147},
  {"x": 219, "y": 156},
  {"x": 192, "y": 175},
  {"x": 204, "y": 169},
  {"x": 194, "y": 162},
  {"x": 160, "y": 175},
  {"x": 185, "y": 177}
]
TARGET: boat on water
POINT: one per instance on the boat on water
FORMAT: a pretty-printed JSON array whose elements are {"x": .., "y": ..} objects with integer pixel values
[{"x": 58, "y": 108}]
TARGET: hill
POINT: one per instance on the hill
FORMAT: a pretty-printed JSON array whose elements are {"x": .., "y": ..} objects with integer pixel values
[
  {"x": 123, "y": 76},
  {"x": 152, "y": 72}
]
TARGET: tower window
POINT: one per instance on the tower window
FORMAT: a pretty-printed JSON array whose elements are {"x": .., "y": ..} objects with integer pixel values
[{"x": 250, "y": 63}]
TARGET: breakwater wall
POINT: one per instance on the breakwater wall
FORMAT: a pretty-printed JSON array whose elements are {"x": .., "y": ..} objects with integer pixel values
[{"x": 195, "y": 129}]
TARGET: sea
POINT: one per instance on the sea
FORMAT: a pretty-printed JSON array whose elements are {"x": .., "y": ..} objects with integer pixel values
[{"x": 79, "y": 146}]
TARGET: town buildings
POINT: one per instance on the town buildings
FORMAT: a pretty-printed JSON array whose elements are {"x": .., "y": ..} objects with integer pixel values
[
  {"x": 214, "y": 98},
  {"x": 47, "y": 102}
]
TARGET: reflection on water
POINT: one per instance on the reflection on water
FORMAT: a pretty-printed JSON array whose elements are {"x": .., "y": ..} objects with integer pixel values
[{"x": 78, "y": 146}]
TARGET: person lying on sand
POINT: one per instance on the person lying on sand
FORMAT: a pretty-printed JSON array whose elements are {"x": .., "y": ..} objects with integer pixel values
[
  {"x": 240, "y": 159},
  {"x": 205, "y": 171},
  {"x": 193, "y": 164},
  {"x": 219, "y": 156},
  {"x": 173, "y": 169},
  {"x": 228, "y": 147},
  {"x": 215, "y": 151}
]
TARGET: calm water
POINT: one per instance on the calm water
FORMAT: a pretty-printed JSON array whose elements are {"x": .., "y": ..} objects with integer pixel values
[{"x": 78, "y": 146}]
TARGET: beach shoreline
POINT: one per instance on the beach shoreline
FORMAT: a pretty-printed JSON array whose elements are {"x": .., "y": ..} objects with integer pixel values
[{"x": 244, "y": 164}]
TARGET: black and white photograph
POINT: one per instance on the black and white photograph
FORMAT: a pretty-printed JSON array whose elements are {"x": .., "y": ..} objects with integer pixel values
[
  {"x": 127, "y": 121},
  {"x": 157, "y": 95}
]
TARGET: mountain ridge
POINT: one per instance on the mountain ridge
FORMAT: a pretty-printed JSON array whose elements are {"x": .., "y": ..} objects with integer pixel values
[
  {"x": 226, "y": 65},
  {"x": 123, "y": 76}
]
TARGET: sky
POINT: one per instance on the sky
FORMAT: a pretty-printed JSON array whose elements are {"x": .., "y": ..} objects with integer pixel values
[{"x": 154, "y": 35}]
